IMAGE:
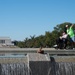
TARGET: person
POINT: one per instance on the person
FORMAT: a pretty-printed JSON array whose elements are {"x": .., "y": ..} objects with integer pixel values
[
  {"x": 65, "y": 29},
  {"x": 59, "y": 43},
  {"x": 70, "y": 32},
  {"x": 65, "y": 39},
  {"x": 40, "y": 50}
]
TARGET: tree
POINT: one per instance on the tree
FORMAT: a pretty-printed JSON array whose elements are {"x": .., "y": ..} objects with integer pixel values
[{"x": 47, "y": 40}]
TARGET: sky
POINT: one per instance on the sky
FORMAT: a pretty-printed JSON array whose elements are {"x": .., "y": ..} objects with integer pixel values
[{"x": 20, "y": 19}]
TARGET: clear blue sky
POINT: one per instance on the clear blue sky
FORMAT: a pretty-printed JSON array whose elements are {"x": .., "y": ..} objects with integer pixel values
[{"x": 21, "y": 18}]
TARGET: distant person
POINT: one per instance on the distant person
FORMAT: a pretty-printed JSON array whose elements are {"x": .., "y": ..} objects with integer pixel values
[
  {"x": 70, "y": 32},
  {"x": 40, "y": 51},
  {"x": 65, "y": 39},
  {"x": 62, "y": 41},
  {"x": 65, "y": 29},
  {"x": 65, "y": 36},
  {"x": 59, "y": 43}
]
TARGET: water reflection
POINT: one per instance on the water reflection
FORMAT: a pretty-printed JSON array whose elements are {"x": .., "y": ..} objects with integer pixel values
[{"x": 13, "y": 55}]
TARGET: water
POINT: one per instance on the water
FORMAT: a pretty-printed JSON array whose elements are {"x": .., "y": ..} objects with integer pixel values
[
  {"x": 8, "y": 65},
  {"x": 14, "y": 69},
  {"x": 39, "y": 68},
  {"x": 62, "y": 68},
  {"x": 13, "y": 56}
]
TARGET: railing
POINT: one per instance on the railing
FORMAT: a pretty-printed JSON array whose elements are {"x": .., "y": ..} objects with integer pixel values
[{"x": 34, "y": 50}]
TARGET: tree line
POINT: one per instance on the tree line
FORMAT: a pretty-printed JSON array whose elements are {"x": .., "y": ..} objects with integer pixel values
[{"x": 47, "y": 40}]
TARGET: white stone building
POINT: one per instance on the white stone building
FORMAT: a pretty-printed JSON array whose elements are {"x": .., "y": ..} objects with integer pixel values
[{"x": 6, "y": 41}]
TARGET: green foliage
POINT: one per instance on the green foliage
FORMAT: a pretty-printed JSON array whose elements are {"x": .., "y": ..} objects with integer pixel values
[{"x": 47, "y": 40}]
